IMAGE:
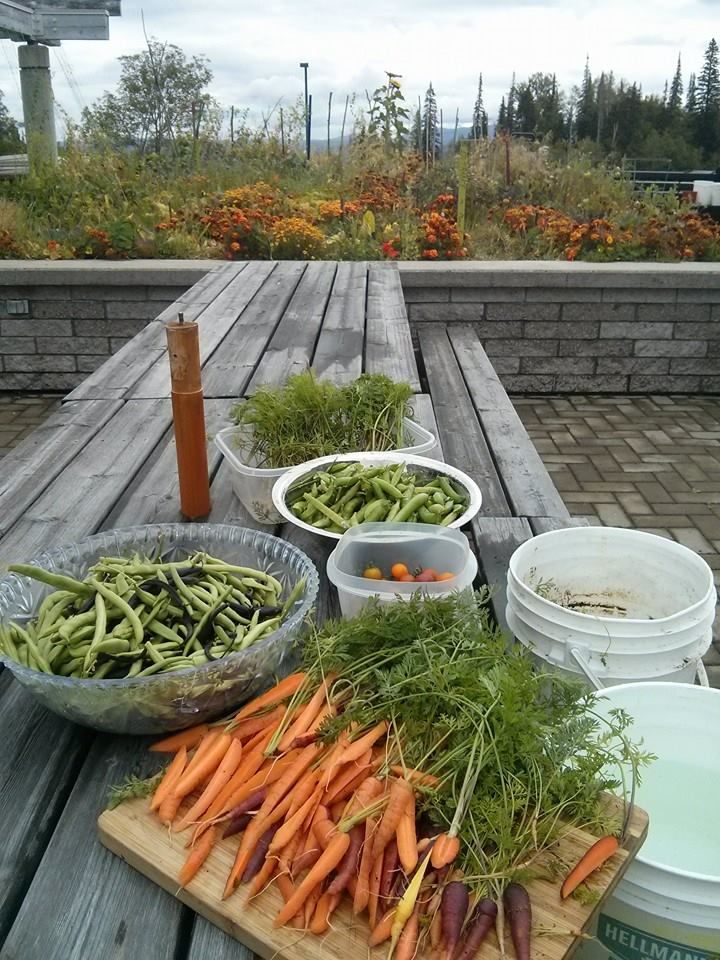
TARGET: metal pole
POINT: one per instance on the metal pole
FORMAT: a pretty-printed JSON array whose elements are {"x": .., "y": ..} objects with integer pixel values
[
  {"x": 38, "y": 104},
  {"x": 328, "y": 128},
  {"x": 304, "y": 67},
  {"x": 309, "y": 124}
]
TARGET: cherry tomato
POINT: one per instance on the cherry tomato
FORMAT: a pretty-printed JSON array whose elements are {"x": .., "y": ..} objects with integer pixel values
[
  {"x": 445, "y": 576},
  {"x": 406, "y": 578},
  {"x": 398, "y": 570},
  {"x": 373, "y": 573},
  {"x": 426, "y": 576}
]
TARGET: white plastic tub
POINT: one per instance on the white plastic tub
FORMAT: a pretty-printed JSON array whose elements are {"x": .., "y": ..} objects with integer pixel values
[
  {"x": 667, "y": 906},
  {"x": 383, "y": 544},
  {"x": 666, "y": 591},
  {"x": 253, "y": 485},
  {"x": 420, "y": 465}
]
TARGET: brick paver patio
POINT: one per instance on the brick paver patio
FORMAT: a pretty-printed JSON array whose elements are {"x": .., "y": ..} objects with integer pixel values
[{"x": 646, "y": 462}]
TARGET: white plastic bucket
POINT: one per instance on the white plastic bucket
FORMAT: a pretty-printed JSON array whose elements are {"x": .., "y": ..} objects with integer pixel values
[
  {"x": 667, "y": 906},
  {"x": 253, "y": 485},
  {"x": 666, "y": 591},
  {"x": 417, "y": 545}
]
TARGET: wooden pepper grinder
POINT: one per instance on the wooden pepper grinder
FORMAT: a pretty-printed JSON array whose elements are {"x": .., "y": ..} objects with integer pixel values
[{"x": 189, "y": 418}]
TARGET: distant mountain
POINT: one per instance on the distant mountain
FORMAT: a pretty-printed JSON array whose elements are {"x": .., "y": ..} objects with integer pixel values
[{"x": 319, "y": 144}]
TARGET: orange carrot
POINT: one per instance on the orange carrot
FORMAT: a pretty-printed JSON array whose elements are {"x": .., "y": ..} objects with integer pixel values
[
  {"x": 374, "y": 889},
  {"x": 287, "y": 889},
  {"x": 598, "y": 854},
  {"x": 310, "y": 735},
  {"x": 336, "y": 811},
  {"x": 311, "y": 903},
  {"x": 383, "y": 928},
  {"x": 290, "y": 851},
  {"x": 293, "y": 823},
  {"x": 324, "y": 830},
  {"x": 311, "y": 775},
  {"x": 202, "y": 748},
  {"x": 407, "y": 840},
  {"x": 445, "y": 850},
  {"x": 186, "y": 738},
  {"x": 263, "y": 877},
  {"x": 208, "y": 763},
  {"x": 172, "y": 775},
  {"x": 198, "y": 856},
  {"x": 357, "y": 748},
  {"x": 369, "y": 790},
  {"x": 308, "y": 715},
  {"x": 348, "y": 780},
  {"x": 329, "y": 859},
  {"x": 225, "y": 770},
  {"x": 281, "y": 691},
  {"x": 400, "y": 797},
  {"x": 253, "y": 725},
  {"x": 436, "y": 929},
  {"x": 415, "y": 776},
  {"x": 288, "y": 780},
  {"x": 324, "y": 910},
  {"x": 362, "y": 890}
]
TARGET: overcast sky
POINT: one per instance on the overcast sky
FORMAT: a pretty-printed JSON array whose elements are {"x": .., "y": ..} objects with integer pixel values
[{"x": 255, "y": 55}]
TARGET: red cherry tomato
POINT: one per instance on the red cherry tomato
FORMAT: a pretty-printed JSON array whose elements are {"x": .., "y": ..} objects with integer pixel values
[
  {"x": 406, "y": 578},
  {"x": 426, "y": 576}
]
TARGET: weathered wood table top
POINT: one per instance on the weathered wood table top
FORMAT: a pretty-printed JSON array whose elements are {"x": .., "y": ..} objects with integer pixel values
[{"x": 106, "y": 459}]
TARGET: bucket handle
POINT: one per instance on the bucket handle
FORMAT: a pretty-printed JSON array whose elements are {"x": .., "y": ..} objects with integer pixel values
[
  {"x": 586, "y": 669},
  {"x": 701, "y": 675}
]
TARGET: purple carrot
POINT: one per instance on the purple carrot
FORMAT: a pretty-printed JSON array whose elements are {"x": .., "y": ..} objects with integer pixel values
[
  {"x": 453, "y": 910},
  {"x": 253, "y": 802},
  {"x": 391, "y": 862},
  {"x": 348, "y": 866},
  {"x": 237, "y": 824},
  {"x": 259, "y": 853},
  {"x": 519, "y": 913},
  {"x": 481, "y": 923}
]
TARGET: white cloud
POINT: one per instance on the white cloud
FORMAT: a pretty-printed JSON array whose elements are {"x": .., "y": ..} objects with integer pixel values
[{"x": 255, "y": 53}]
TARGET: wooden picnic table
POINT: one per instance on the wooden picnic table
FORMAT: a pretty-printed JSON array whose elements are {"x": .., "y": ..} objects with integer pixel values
[{"x": 106, "y": 459}]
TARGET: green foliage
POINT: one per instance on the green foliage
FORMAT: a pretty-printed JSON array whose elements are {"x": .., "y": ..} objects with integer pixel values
[{"x": 388, "y": 114}]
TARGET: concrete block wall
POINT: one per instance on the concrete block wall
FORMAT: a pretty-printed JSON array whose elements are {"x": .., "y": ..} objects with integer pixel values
[
  {"x": 581, "y": 328},
  {"x": 78, "y": 314}
]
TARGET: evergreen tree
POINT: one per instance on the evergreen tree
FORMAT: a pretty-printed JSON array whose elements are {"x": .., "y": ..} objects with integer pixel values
[
  {"x": 430, "y": 127},
  {"x": 479, "y": 127},
  {"x": 708, "y": 100},
  {"x": 691, "y": 103},
  {"x": 416, "y": 141},
  {"x": 586, "y": 110},
  {"x": 676, "y": 88},
  {"x": 502, "y": 116},
  {"x": 10, "y": 141},
  {"x": 511, "y": 105}
]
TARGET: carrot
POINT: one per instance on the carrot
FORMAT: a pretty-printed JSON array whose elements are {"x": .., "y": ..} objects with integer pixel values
[
  {"x": 293, "y": 824},
  {"x": 598, "y": 854},
  {"x": 258, "y": 855},
  {"x": 407, "y": 944},
  {"x": 436, "y": 930},
  {"x": 308, "y": 715},
  {"x": 366, "y": 792},
  {"x": 374, "y": 889},
  {"x": 198, "y": 856},
  {"x": 207, "y": 764},
  {"x": 350, "y": 782},
  {"x": 415, "y": 776},
  {"x": 253, "y": 725},
  {"x": 362, "y": 890},
  {"x": 288, "y": 780},
  {"x": 172, "y": 775},
  {"x": 519, "y": 913},
  {"x": 357, "y": 748},
  {"x": 235, "y": 825},
  {"x": 311, "y": 775},
  {"x": 311, "y": 734},
  {"x": 311, "y": 903},
  {"x": 324, "y": 910},
  {"x": 445, "y": 850},
  {"x": 169, "y": 806},
  {"x": 382, "y": 929},
  {"x": 288, "y": 853},
  {"x": 349, "y": 866},
  {"x": 481, "y": 923},
  {"x": 186, "y": 738},
  {"x": 407, "y": 904},
  {"x": 324, "y": 830},
  {"x": 399, "y": 798},
  {"x": 336, "y": 811},
  {"x": 263, "y": 877},
  {"x": 453, "y": 910},
  {"x": 309, "y": 855},
  {"x": 281, "y": 691},
  {"x": 389, "y": 873},
  {"x": 329, "y": 859},
  {"x": 228, "y": 765},
  {"x": 202, "y": 748},
  {"x": 287, "y": 889},
  {"x": 407, "y": 839}
]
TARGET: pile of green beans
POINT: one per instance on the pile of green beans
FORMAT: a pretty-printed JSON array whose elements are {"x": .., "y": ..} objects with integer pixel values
[
  {"x": 347, "y": 494},
  {"x": 132, "y": 617}
]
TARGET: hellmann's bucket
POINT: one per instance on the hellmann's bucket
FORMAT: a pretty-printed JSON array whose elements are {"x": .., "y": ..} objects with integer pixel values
[
  {"x": 667, "y": 906},
  {"x": 611, "y": 605}
]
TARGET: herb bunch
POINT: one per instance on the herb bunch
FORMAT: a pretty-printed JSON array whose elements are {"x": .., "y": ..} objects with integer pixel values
[
  {"x": 522, "y": 754},
  {"x": 308, "y": 418}
]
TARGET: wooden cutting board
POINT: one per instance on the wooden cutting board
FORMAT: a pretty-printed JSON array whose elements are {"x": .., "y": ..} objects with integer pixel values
[{"x": 132, "y": 833}]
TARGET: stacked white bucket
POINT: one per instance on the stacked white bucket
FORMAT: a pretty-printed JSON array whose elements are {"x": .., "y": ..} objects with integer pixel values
[
  {"x": 667, "y": 907},
  {"x": 666, "y": 591}
]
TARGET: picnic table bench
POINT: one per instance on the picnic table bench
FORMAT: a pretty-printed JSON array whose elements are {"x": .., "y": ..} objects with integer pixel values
[{"x": 106, "y": 459}]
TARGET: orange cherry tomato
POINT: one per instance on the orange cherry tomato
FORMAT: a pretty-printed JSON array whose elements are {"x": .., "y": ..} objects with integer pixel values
[
  {"x": 399, "y": 570},
  {"x": 373, "y": 573},
  {"x": 406, "y": 578},
  {"x": 445, "y": 576}
]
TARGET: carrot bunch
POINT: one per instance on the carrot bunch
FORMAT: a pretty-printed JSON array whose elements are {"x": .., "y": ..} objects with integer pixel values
[{"x": 325, "y": 820}]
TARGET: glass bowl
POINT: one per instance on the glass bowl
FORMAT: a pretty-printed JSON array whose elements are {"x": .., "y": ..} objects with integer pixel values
[{"x": 172, "y": 701}]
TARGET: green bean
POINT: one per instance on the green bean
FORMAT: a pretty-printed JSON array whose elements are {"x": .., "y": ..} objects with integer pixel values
[
  {"x": 390, "y": 489},
  {"x": 99, "y": 632},
  {"x": 51, "y": 579},
  {"x": 452, "y": 517},
  {"x": 7, "y": 643},
  {"x": 135, "y": 668},
  {"x": 427, "y": 517},
  {"x": 154, "y": 654},
  {"x": 103, "y": 670},
  {"x": 419, "y": 500},
  {"x": 227, "y": 641},
  {"x": 330, "y": 514},
  {"x": 75, "y": 623},
  {"x": 123, "y": 607},
  {"x": 32, "y": 650},
  {"x": 253, "y": 635},
  {"x": 160, "y": 630},
  {"x": 451, "y": 492},
  {"x": 376, "y": 511}
]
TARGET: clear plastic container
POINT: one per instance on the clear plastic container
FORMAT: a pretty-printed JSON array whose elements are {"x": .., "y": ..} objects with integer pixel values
[
  {"x": 172, "y": 701},
  {"x": 253, "y": 485},
  {"x": 383, "y": 544}
]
